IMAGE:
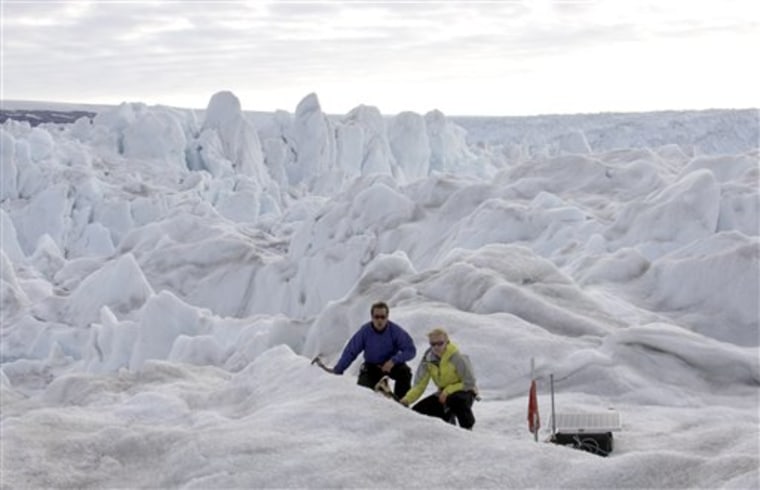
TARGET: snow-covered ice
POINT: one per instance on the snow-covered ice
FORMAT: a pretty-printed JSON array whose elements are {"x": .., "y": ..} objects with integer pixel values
[{"x": 167, "y": 276}]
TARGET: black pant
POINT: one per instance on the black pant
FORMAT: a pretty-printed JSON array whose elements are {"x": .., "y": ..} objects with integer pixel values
[
  {"x": 400, "y": 373},
  {"x": 458, "y": 404}
]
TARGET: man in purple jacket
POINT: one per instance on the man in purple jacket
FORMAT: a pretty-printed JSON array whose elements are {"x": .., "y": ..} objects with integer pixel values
[{"x": 387, "y": 348}]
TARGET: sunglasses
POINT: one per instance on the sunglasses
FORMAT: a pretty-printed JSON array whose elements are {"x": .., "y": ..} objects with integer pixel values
[
  {"x": 437, "y": 344},
  {"x": 379, "y": 317}
]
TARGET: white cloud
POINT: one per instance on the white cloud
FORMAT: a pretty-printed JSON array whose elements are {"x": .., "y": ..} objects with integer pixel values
[{"x": 476, "y": 57}]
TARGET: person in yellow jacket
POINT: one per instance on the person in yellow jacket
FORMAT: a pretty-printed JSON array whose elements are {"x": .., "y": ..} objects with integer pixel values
[{"x": 452, "y": 374}]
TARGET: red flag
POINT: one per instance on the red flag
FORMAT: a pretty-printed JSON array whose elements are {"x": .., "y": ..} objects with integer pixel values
[{"x": 534, "y": 422}]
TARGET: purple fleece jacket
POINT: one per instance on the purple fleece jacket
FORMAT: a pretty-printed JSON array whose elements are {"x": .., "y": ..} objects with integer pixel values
[{"x": 392, "y": 343}]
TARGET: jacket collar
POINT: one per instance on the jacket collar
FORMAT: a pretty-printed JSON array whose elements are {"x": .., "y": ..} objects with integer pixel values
[{"x": 450, "y": 349}]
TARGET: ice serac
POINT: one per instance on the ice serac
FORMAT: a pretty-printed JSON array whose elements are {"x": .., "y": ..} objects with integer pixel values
[
  {"x": 47, "y": 213},
  {"x": 47, "y": 257},
  {"x": 135, "y": 130},
  {"x": 41, "y": 144},
  {"x": 12, "y": 297},
  {"x": 407, "y": 135},
  {"x": 448, "y": 145},
  {"x": 349, "y": 150},
  {"x": 164, "y": 318},
  {"x": 155, "y": 134},
  {"x": 8, "y": 239},
  {"x": 738, "y": 176},
  {"x": 110, "y": 344},
  {"x": 237, "y": 137},
  {"x": 313, "y": 142},
  {"x": 8, "y": 184},
  {"x": 376, "y": 153},
  {"x": 120, "y": 284},
  {"x": 276, "y": 144}
]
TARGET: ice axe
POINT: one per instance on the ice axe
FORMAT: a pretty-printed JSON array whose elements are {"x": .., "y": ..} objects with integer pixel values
[{"x": 318, "y": 361}]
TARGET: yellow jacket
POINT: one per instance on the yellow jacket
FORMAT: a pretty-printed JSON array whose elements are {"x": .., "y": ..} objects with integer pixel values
[{"x": 451, "y": 372}]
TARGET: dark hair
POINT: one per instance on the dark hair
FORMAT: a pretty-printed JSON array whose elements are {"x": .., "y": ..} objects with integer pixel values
[{"x": 379, "y": 305}]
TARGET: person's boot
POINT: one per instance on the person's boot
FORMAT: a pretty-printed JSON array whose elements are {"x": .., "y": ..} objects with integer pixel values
[
  {"x": 449, "y": 416},
  {"x": 384, "y": 387}
]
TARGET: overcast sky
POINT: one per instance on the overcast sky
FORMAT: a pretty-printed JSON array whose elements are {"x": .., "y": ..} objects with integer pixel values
[{"x": 490, "y": 58}]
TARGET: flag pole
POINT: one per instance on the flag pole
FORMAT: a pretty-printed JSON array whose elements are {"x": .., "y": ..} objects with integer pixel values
[
  {"x": 554, "y": 424},
  {"x": 533, "y": 380}
]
